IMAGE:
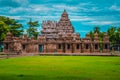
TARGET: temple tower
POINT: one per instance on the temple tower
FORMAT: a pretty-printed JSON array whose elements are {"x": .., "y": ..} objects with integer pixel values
[
  {"x": 64, "y": 25},
  {"x": 49, "y": 29}
]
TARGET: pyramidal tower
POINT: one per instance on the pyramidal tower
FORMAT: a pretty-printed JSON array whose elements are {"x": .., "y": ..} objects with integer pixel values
[{"x": 64, "y": 25}]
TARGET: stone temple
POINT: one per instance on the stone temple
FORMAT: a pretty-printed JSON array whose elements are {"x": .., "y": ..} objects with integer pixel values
[{"x": 56, "y": 37}]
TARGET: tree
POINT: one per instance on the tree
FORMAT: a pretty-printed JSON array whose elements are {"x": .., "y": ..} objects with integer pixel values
[
  {"x": 96, "y": 29},
  {"x": 3, "y": 30},
  {"x": 32, "y": 30},
  {"x": 118, "y": 36},
  {"x": 100, "y": 35},
  {"x": 112, "y": 35},
  {"x": 14, "y": 27},
  {"x": 91, "y": 35}
]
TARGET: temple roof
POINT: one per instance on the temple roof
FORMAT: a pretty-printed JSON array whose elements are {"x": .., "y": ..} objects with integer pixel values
[
  {"x": 64, "y": 12},
  {"x": 96, "y": 34},
  {"x": 9, "y": 34}
]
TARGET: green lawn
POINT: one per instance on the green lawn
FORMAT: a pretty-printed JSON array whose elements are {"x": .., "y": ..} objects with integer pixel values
[{"x": 60, "y": 68}]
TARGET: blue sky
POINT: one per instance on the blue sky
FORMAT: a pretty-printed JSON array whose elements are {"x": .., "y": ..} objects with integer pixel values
[{"x": 84, "y": 14}]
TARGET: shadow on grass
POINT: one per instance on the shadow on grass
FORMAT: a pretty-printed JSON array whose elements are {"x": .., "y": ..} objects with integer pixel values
[{"x": 40, "y": 77}]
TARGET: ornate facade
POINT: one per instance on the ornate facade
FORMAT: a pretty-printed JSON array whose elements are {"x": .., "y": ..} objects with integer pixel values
[{"x": 56, "y": 37}]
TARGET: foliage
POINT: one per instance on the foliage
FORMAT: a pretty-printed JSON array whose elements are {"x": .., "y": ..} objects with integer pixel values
[
  {"x": 92, "y": 35},
  {"x": 114, "y": 35},
  {"x": 32, "y": 30},
  {"x": 3, "y": 30},
  {"x": 96, "y": 30},
  {"x": 8, "y": 24},
  {"x": 100, "y": 35},
  {"x": 118, "y": 36}
]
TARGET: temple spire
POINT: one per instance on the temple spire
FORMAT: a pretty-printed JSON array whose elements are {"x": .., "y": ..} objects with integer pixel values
[{"x": 64, "y": 12}]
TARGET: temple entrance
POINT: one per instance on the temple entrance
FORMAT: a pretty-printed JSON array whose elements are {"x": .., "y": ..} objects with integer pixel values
[{"x": 41, "y": 48}]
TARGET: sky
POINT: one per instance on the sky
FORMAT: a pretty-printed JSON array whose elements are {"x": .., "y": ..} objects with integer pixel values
[{"x": 84, "y": 14}]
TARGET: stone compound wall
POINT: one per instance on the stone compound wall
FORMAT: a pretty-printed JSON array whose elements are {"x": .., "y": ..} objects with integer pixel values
[{"x": 69, "y": 44}]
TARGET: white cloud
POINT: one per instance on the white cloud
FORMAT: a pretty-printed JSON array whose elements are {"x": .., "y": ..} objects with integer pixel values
[
  {"x": 22, "y": 2},
  {"x": 114, "y": 7},
  {"x": 63, "y": 6},
  {"x": 80, "y": 18},
  {"x": 102, "y": 22},
  {"x": 19, "y": 9}
]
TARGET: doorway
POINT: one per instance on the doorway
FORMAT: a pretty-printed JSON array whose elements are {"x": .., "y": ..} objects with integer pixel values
[{"x": 41, "y": 48}]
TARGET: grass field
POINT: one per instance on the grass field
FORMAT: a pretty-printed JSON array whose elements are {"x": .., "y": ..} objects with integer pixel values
[{"x": 60, "y": 68}]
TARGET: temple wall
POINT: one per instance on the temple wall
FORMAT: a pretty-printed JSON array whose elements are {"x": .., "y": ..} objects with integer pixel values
[
  {"x": 96, "y": 48},
  {"x": 106, "y": 50},
  {"x": 31, "y": 48},
  {"x": 50, "y": 48},
  {"x": 9, "y": 47},
  {"x": 76, "y": 48},
  {"x": 60, "y": 48},
  {"x": 86, "y": 49},
  {"x": 53, "y": 48},
  {"x": 68, "y": 48}
]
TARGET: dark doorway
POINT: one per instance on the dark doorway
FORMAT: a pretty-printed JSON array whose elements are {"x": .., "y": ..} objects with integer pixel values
[
  {"x": 63, "y": 48},
  {"x": 41, "y": 48},
  {"x": 23, "y": 47},
  {"x": 77, "y": 46},
  {"x": 106, "y": 46},
  {"x": 6, "y": 45},
  {"x": 87, "y": 46},
  {"x": 59, "y": 46},
  {"x": 96, "y": 46},
  {"x": 68, "y": 46}
]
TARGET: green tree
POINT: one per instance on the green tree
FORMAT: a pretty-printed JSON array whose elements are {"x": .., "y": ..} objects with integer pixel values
[
  {"x": 3, "y": 30},
  {"x": 96, "y": 29},
  {"x": 13, "y": 25},
  {"x": 91, "y": 35},
  {"x": 112, "y": 35},
  {"x": 100, "y": 35},
  {"x": 118, "y": 36},
  {"x": 32, "y": 30}
]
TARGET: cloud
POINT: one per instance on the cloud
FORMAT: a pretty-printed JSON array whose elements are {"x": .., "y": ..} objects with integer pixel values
[
  {"x": 13, "y": 3},
  {"x": 80, "y": 18},
  {"x": 87, "y": 13},
  {"x": 63, "y": 6},
  {"x": 103, "y": 22},
  {"x": 115, "y": 8}
]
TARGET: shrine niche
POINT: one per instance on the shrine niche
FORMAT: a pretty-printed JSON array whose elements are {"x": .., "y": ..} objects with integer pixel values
[
  {"x": 106, "y": 44},
  {"x": 87, "y": 44},
  {"x": 96, "y": 44}
]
